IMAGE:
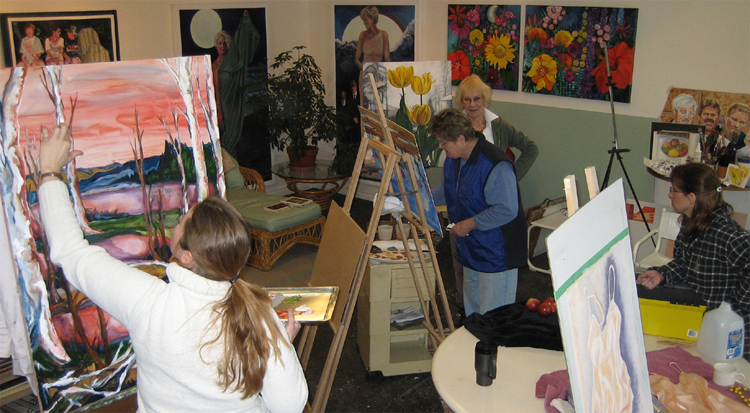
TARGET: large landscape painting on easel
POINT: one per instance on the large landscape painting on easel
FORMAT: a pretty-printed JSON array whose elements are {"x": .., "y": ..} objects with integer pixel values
[{"x": 150, "y": 143}]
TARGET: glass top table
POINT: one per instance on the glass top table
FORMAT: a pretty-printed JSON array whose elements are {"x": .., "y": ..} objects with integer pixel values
[{"x": 326, "y": 183}]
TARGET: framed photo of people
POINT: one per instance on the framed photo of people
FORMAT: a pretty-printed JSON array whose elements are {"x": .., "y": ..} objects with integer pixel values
[{"x": 60, "y": 38}]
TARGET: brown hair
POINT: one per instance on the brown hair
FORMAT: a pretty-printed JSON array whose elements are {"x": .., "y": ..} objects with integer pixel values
[
  {"x": 219, "y": 239},
  {"x": 699, "y": 179},
  {"x": 473, "y": 83},
  {"x": 449, "y": 124},
  {"x": 741, "y": 107},
  {"x": 710, "y": 103}
]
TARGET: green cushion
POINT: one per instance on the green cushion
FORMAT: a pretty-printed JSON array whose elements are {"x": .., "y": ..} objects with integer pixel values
[
  {"x": 234, "y": 179},
  {"x": 251, "y": 205}
]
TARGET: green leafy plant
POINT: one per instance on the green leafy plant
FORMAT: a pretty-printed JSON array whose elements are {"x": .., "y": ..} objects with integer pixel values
[{"x": 298, "y": 115}]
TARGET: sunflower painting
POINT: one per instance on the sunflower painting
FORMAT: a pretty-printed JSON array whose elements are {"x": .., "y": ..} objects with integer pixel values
[
  {"x": 564, "y": 51},
  {"x": 483, "y": 40}
]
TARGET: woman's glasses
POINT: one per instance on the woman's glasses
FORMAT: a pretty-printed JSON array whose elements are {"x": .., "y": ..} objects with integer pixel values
[
  {"x": 672, "y": 190},
  {"x": 475, "y": 99}
]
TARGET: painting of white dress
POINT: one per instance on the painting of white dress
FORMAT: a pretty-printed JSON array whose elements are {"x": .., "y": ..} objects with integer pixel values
[
  {"x": 411, "y": 93},
  {"x": 600, "y": 322}
]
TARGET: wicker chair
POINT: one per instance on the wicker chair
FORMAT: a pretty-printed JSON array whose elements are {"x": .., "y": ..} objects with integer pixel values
[{"x": 268, "y": 247}]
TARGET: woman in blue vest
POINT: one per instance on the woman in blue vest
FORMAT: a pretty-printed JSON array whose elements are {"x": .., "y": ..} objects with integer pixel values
[{"x": 484, "y": 204}]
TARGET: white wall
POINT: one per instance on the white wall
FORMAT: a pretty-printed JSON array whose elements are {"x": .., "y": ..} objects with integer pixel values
[{"x": 683, "y": 43}]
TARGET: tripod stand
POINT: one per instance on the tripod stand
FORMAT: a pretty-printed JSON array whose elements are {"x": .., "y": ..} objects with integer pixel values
[{"x": 616, "y": 152}]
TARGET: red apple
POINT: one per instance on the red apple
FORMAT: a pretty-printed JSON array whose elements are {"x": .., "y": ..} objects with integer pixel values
[
  {"x": 549, "y": 300},
  {"x": 545, "y": 309},
  {"x": 532, "y": 304}
]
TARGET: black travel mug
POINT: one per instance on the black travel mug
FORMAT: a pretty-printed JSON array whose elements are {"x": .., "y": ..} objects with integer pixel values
[{"x": 485, "y": 362}]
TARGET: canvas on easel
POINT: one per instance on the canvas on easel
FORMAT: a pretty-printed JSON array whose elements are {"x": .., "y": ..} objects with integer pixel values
[
  {"x": 593, "y": 277},
  {"x": 400, "y": 165},
  {"x": 405, "y": 142}
]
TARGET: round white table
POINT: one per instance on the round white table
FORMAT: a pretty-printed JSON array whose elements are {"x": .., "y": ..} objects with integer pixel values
[{"x": 518, "y": 370}]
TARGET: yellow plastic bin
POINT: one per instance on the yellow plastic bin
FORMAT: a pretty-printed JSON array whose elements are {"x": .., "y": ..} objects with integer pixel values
[{"x": 661, "y": 318}]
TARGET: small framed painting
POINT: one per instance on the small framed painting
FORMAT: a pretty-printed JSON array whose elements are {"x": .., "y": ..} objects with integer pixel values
[
  {"x": 59, "y": 38},
  {"x": 737, "y": 175},
  {"x": 674, "y": 142}
]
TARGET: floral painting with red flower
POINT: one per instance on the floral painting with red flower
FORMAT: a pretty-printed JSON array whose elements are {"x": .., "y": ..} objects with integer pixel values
[
  {"x": 566, "y": 50},
  {"x": 484, "y": 40}
]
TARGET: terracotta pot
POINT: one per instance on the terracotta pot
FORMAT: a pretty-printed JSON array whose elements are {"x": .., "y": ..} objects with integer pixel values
[{"x": 304, "y": 164}]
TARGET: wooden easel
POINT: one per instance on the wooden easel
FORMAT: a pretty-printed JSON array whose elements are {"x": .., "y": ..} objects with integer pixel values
[{"x": 394, "y": 162}]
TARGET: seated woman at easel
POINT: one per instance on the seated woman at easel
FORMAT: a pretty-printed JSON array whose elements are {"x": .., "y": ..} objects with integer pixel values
[
  {"x": 205, "y": 341},
  {"x": 712, "y": 251},
  {"x": 481, "y": 192}
]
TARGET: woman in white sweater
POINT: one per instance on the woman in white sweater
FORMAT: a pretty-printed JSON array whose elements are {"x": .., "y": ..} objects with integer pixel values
[{"x": 206, "y": 341}]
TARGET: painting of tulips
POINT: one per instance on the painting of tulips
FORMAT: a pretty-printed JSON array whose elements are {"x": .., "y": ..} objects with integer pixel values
[
  {"x": 411, "y": 93},
  {"x": 150, "y": 141},
  {"x": 484, "y": 40},
  {"x": 565, "y": 50}
]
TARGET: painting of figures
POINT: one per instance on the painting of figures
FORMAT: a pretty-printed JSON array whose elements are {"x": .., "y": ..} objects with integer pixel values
[
  {"x": 59, "y": 38},
  {"x": 387, "y": 35},
  {"x": 600, "y": 321},
  {"x": 410, "y": 93},
  {"x": 725, "y": 114},
  {"x": 565, "y": 49},
  {"x": 484, "y": 40},
  {"x": 150, "y": 142}
]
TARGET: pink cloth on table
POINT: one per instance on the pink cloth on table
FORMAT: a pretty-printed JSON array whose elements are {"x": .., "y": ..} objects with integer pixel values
[{"x": 555, "y": 385}]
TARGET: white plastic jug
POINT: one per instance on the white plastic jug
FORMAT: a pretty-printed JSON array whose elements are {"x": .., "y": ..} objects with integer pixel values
[{"x": 722, "y": 335}]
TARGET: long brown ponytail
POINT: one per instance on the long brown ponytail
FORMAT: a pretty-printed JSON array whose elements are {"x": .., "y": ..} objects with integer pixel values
[{"x": 219, "y": 240}]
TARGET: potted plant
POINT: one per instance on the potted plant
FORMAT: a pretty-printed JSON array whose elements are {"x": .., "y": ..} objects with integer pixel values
[{"x": 298, "y": 115}]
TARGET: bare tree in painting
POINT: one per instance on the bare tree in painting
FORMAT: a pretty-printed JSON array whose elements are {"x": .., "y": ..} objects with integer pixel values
[
  {"x": 52, "y": 81},
  {"x": 209, "y": 114},
  {"x": 19, "y": 216},
  {"x": 155, "y": 245},
  {"x": 73, "y": 298},
  {"x": 157, "y": 220},
  {"x": 181, "y": 69},
  {"x": 47, "y": 269},
  {"x": 177, "y": 148}
]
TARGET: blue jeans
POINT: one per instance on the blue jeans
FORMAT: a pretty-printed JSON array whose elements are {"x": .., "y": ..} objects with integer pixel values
[{"x": 485, "y": 291}]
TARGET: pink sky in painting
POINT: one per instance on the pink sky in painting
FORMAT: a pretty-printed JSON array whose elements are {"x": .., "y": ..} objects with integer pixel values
[{"x": 108, "y": 94}]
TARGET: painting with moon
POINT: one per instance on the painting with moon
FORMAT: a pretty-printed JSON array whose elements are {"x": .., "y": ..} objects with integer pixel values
[
  {"x": 235, "y": 38},
  {"x": 484, "y": 40},
  {"x": 386, "y": 26}
]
